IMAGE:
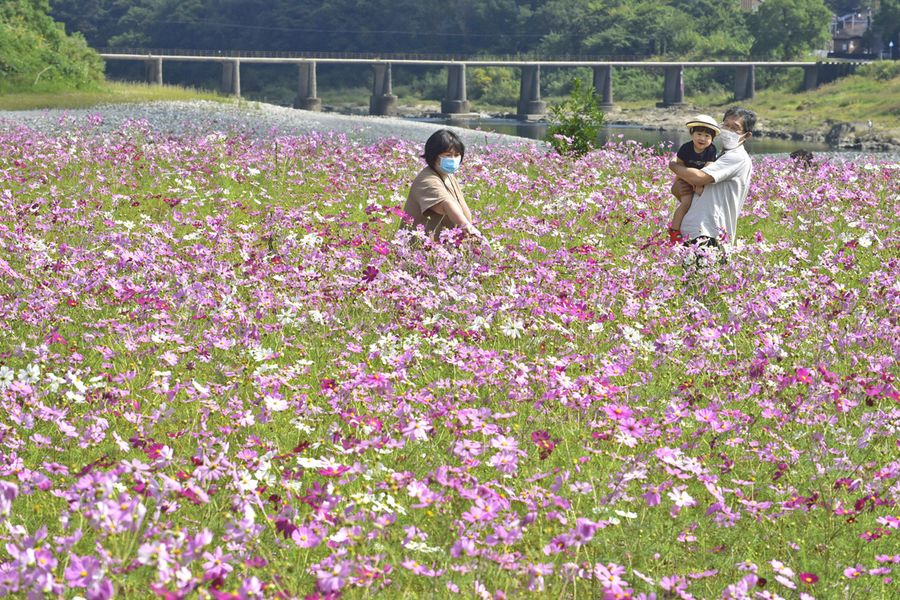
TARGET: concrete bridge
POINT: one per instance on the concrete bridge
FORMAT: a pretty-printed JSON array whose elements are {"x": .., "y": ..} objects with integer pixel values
[{"x": 456, "y": 103}]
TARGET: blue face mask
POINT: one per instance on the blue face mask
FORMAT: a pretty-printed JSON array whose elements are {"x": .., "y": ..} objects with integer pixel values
[{"x": 450, "y": 164}]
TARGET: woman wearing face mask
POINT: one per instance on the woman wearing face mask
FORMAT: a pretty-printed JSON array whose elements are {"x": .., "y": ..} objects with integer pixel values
[{"x": 435, "y": 199}]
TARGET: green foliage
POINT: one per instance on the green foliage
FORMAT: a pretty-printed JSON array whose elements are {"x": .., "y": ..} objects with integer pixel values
[
  {"x": 883, "y": 70},
  {"x": 705, "y": 81},
  {"x": 636, "y": 84},
  {"x": 428, "y": 84},
  {"x": 35, "y": 52},
  {"x": 108, "y": 93},
  {"x": 787, "y": 80},
  {"x": 685, "y": 28},
  {"x": 493, "y": 85},
  {"x": 788, "y": 29},
  {"x": 843, "y": 7},
  {"x": 576, "y": 121},
  {"x": 552, "y": 27},
  {"x": 886, "y": 23}
]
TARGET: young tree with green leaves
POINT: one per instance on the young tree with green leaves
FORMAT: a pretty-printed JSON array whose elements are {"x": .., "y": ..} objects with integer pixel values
[{"x": 576, "y": 121}]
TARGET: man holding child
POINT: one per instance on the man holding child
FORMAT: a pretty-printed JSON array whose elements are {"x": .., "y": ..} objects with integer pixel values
[{"x": 712, "y": 216}]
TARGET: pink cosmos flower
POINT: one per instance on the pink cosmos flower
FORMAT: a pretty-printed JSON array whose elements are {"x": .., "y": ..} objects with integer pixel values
[
  {"x": 216, "y": 564},
  {"x": 332, "y": 579},
  {"x": 545, "y": 444},
  {"x": 808, "y": 578},
  {"x": 305, "y": 537},
  {"x": 370, "y": 274},
  {"x": 417, "y": 430},
  {"x": 420, "y": 569},
  {"x": 81, "y": 570},
  {"x": 854, "y": 572}
]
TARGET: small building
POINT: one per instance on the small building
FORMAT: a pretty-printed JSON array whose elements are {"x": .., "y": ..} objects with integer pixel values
[
  {"x": 848, "y": 33},
  {"x": 750, "y": 5}
]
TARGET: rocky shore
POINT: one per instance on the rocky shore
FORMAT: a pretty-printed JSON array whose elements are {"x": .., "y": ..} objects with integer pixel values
[
  {"x": 844, "y": 135},
  {"x": 838, "y": 135}
]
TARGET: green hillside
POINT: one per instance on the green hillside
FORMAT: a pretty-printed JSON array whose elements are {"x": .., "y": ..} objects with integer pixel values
[{"x": 36, "y": 54}]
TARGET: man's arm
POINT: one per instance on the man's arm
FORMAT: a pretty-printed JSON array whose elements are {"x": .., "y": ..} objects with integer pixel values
[{"x": 695, "y": 177}]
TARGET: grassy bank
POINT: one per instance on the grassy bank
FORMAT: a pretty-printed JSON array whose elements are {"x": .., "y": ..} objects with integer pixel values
[
  {"x": 856, "y": 99},
  {"x": 109, "y": 93}
]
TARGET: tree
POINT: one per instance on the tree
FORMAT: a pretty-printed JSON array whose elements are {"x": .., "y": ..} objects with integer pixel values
[
  {"x": 36, "y": 50},
  {"x": 576, "y": 121},
  {"x": 788, "y": 29},
  {"x": 718, "y": 29},
  {"x": 886, "y": 24}
]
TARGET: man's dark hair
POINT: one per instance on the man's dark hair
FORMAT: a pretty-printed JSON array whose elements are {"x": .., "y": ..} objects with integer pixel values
[
  {"x": 747, "y": 117},
  {"x": 442, "y": 140}
]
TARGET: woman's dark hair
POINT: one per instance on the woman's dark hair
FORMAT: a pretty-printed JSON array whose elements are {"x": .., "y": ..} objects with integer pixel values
[{"x": 442, "y": 140}]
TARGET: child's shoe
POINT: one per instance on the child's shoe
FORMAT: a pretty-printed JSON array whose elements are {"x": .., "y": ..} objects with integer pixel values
[{"x": 675, "y": 237}]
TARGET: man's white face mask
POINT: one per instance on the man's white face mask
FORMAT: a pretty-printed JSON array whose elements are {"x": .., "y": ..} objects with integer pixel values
[{"x": 729, "y": 140}]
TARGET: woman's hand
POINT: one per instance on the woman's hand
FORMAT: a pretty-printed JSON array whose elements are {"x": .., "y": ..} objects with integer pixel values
[{"x": 473, "y": 231}]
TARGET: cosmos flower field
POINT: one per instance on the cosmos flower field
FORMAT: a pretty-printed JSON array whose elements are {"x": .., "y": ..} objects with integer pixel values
[{"x": 227, "y": 371}]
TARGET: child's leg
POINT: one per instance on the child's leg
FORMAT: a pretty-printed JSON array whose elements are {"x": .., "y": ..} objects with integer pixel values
[{"x": 684, "y": 203}]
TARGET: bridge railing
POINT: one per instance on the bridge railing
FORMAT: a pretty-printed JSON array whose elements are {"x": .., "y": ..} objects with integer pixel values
[
  {"x": 393, "y": 56},
  {"x": 530, "y": 105}
]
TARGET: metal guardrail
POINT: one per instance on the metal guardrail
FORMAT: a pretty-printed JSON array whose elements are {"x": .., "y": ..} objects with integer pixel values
[{"x": 170, "y": 52}]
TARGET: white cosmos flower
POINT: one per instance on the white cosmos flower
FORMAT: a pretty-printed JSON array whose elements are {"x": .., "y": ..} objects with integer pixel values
[
  {"x": 513, "y": 328},
  {"x": 276, "y": 404},
  {"x": 681, "y": 498}
]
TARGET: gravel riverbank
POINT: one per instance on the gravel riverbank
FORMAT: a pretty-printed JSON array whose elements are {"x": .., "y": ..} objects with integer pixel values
[
  {"x": 259, "y": 120},
  {"x": 247, "y": 118}
]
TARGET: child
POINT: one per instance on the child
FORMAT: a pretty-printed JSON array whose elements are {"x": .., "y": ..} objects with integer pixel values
[{"x": 696, "y": 153}]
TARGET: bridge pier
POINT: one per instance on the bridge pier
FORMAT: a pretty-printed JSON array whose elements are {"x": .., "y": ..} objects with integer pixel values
[
  {"x": 456, "y": 102},
  {"x": 811, "y": 77},
  {"x": 306, "y": 88},
  {"x": 603, "y": 86},
  {"x": 231, "y": 78},
  {"x": 745, "y": 83},
  {"x": 382, "y": 102},
  {"x": 530, "y": 104},
  {"x": 673, "y": 88},
  {"x": 153, "y": 71}
]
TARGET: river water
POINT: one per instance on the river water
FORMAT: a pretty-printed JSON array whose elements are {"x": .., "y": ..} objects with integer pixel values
[{"x": 665, "y": 139}]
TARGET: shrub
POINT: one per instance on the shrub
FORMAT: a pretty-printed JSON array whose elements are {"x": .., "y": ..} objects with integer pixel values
[
  {"x": 576, "y": 121},
  {"x": 493, "y": 85},
  {"x": 883, "y": 70},
  {"x": 637, "y": 84}
]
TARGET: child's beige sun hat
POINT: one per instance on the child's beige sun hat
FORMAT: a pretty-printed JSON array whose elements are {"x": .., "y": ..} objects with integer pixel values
[{"x": 704, "y": 121}]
